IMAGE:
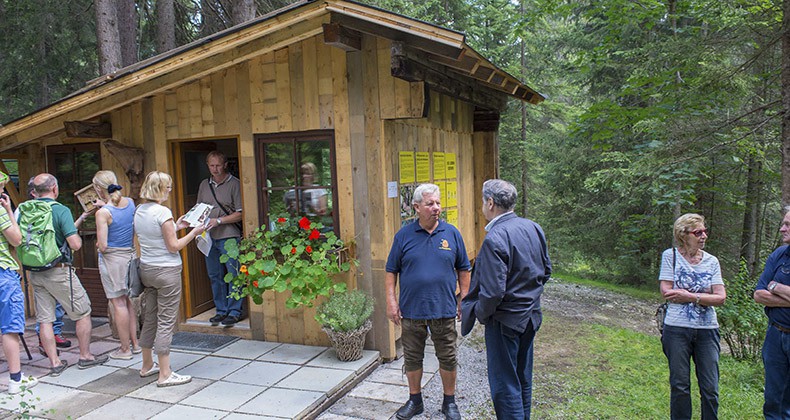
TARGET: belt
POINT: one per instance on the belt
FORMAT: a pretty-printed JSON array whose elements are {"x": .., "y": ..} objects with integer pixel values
[{"x": 781, "y": 328}]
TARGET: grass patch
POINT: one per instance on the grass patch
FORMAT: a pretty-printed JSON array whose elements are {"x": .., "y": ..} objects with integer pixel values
[
  {"x": 644, "y": 293},
  {"x": 615, "y": 373}
]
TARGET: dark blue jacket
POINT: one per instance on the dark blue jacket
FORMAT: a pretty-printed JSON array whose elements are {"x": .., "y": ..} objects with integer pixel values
[{"x": 508, "y": 276}]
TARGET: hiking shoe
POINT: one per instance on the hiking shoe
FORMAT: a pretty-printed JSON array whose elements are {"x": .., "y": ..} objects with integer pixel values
[
  {"x": 62, "y": 342},
  {"x": 216, "y": 319},
  {"x": 409, "y": 410},
  {"x": 451, "y": 411},
  {"x": 98, "y": 360},
  {"x": 27, "y": 382},
  {"x": 230, "y": 321},
  {"x": 57, "y": 370}
]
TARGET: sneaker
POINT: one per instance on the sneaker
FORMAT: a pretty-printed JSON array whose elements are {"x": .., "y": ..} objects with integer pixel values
[
  {"x": 216, "y": 319},
  {"x": 137, "y": 350},
  {"x": 27, "y": 382},
  {"x": 230, "y": 321},
  {"x": 62, "y": 342}
]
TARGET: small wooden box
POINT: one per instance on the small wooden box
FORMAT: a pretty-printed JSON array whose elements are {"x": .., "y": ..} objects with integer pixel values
[{"x": 87, "y": 197}]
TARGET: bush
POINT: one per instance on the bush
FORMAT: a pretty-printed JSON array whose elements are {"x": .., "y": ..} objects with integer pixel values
[
  {"x": 742, "y": 321},
  {"x": 345, "y": 311}
]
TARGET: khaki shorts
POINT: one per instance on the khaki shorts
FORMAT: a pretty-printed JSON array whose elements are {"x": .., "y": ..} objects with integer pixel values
[
  {"x": 113, "y": 266},
  {"x": 53, "y": 285},
  {"x": 444, "y": 337}
]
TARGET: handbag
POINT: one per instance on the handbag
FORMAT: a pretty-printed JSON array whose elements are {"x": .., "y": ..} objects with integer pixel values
[
  {"x": 133, "y": 282},
  {"x": 661, "y": 311}
]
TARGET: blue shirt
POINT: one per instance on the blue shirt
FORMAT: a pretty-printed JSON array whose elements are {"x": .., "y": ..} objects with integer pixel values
[
  {"x": 777, "y": 267},
  {"x": 121, "y": 230},
  {"x": 427, "y": 264}
]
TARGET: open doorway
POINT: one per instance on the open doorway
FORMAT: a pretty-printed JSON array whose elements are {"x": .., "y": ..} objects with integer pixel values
[{"x": 190, "y": 169}]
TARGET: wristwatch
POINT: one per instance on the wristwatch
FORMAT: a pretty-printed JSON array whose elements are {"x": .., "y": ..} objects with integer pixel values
[
  {"x": 219, "y": 221},
  {"x": 772, "y": 286}
]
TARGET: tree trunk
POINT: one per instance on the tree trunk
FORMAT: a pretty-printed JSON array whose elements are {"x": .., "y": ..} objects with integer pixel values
[
  {"x": 44, "y": 97},
  {"x": 243, "y": 10},
  {"x": 107, "y": 37},
  {"x": 212, "y": 16},
  {"x": 165, "y": 26},
  {"x": 786, "y": 103},
  {"x": 749, "y": 232},
  {"x": 523, "y": 134},
  {"x": 127, "y": 31}
]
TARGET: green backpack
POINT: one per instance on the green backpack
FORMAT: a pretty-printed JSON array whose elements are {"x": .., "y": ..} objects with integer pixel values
[{"x": 38, "y": 251}]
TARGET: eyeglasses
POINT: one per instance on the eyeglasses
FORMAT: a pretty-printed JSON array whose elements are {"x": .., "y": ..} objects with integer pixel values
[{"x": 699, "y": 232}]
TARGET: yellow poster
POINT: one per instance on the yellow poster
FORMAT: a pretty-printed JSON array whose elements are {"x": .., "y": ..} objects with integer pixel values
[
  {"x": 442, "y": 192},
  {"x": 438, "y": 166},
  {"x": 451, "y": 200},
  {"x": 423, "y": 166},
  {"x": 449, "y": 164},
  {"x": 452, "y": 217},
  {"x": 406, "y": 165}
]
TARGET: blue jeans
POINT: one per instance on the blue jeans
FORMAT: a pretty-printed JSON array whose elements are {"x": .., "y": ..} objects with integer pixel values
[
  {"x": 776, "y": 359},
  {"x": 680, "y": 346},
  {"x": 509, "y": 356},
  {"x": 58, "y": 324},
  {"x": 225, "y": 304}
]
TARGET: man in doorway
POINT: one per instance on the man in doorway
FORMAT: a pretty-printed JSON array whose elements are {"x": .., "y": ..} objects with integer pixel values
[
  {"x": 61, "y": 284},
  {"x": 223, "y": 191},
  {"x": 507, "y": 281},
  {"x": 429, "y": 256}
]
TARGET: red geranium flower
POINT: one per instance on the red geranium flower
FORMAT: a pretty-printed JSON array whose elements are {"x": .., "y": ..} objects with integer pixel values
[
  {"x": 281, "y": 220},
  {"x": 293, "y": 250},
  {"x": 315, "y": 234},
  {"x": 263, "y": 273},
  {"x": 255, "y": 283},
  {"x": 304, "y": 223},
  {"x": 309, "y": 249}
]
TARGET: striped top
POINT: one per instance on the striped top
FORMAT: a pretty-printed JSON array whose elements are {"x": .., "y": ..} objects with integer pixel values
[{"x": 6, "y": 260}]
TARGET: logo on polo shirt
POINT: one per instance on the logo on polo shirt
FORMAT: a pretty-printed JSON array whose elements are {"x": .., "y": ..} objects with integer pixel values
[{"x": 445, "y": 245}]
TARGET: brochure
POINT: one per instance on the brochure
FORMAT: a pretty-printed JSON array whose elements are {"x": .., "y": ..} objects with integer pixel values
[
  {"x": 203, "y": 242},
  {"x": 198, "y": 215}
]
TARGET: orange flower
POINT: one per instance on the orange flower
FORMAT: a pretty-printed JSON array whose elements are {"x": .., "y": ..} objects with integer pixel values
[
  {"x": 309, "y": 249},
  {"x": 304, "y": 223},
  {"x": 243, "y": 269},
  {"x": 315, "y": 234},
  {"x": 293, "y": 250},
  {"x": 281, "y": 220}
]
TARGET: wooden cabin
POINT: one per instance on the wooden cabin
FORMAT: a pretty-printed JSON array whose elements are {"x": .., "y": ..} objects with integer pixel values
[{"x": 378, "y": 102}]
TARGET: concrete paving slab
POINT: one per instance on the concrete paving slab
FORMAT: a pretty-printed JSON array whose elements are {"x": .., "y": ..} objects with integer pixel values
[
  {"x": 239, "y": 416},
  {"x": 178, "y": 360},
  {"x": 379, "y": 391},
  {"x": 72, "y": 404},
  {"x": 292, "y": 353},
  {"x": 40, "y": 394},
  {"x": 70, "y": 357},
  {"x": 131, "y": 409},
  {"x": 170, "y": 394},
  {"x": 246, "y": 349},
  {"x": 223, "y": 395},
  {"x": 120, "y": 382},
  {"x": 180, "y": 412},
  {"x": 362, "y": 408},
  {"x": 102, "y": 331},
  {"x": 101, "y": 346},
  {"x": 261, "y": 373},
  {"x": 75, "y": 377},
  {"x": 213, "y": 367},
  {"x": 328, "y": 359},
  {"x": 395, "y": 364},
  {"x": 317, "y": 379},
  {"x": 395, "y": 377},
  {"x": 286, "y": 403}
]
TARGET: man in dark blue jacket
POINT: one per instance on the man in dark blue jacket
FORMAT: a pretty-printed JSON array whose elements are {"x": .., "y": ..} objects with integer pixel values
[{"x": 507, "y": 281}]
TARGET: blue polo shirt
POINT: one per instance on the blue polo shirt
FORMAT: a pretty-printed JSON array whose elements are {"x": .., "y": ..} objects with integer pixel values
[
  {"x": 777, "y": 267},
  {"x": 426, "y": 264}
]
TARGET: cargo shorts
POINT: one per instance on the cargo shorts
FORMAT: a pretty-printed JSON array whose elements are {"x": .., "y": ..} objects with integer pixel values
[
  {"x": 53, "y": 285},
  {"x": 414, "y": 333}
]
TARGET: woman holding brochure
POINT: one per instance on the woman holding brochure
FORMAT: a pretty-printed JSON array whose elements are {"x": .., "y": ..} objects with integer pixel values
[{"x": 160, "y": 272}]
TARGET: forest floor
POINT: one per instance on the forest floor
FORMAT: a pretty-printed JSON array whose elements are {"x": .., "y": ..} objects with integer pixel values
[{"x": 569, "y": 309}]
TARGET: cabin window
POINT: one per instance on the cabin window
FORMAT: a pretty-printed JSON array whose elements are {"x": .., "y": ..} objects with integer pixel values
[{"x": 297, "y": 177}]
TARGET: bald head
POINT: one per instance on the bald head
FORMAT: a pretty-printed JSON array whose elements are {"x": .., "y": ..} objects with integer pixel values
[{"x": 45, "y": 185}]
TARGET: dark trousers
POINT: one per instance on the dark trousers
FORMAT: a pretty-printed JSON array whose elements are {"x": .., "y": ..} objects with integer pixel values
[
  {"x": 776, "y": 358},
  {"x": 680, "y": 346},
  {"x": 510, "y": 369}
]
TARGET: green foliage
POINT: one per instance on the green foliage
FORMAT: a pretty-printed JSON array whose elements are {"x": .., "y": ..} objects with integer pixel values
[
  {"x": 297, "y": 255},
  {"x": 742, "y": 321},
  {"x": 26, "y": 405},
  {"x": 345, "y": 311}
]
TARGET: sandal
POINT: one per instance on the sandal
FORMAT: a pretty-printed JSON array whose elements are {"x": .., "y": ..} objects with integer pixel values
[
  {"x": 119, "y": 355},
  {"x": 86, "y": 363},
  {"x": 151, "y": 372},
  {"x": 174, "y": 379},
  {"x": 137, "y": 349}
]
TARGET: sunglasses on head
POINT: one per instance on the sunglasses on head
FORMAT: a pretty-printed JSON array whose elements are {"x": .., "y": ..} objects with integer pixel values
[{"x": 699, "y": 232}]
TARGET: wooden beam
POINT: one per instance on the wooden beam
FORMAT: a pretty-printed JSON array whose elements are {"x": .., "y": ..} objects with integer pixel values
[
  {"x": 88, "y": 129},
  {"x": 341, "y": 37},
  {"x": 485, "y": 120}
]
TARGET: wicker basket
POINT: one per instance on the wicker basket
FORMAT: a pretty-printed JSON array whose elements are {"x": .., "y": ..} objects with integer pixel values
[{"x": 348, "y": 345}]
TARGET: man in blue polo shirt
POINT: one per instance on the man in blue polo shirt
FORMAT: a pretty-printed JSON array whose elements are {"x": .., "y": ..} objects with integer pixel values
[
  {"x": 773, "y": 291},
  {"x": 429, "y": 256}
]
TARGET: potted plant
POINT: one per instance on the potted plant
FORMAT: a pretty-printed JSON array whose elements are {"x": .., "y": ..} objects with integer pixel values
[
  {"x": 345, "y": 317},
  {"x": 296, "y": 255}
]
